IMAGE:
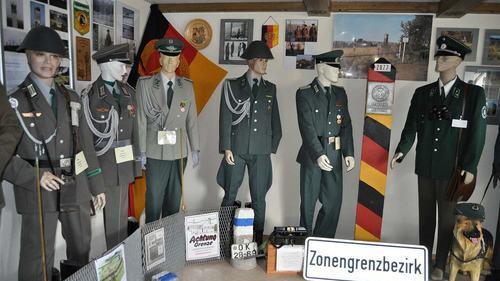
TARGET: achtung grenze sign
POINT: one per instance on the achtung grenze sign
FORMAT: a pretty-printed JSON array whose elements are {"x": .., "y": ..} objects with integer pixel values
[{"x": 336, "y": 259}]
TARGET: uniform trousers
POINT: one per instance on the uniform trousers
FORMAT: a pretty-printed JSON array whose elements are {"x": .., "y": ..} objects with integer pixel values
[
  {"x": 260, "y": 175},
  {"x": 163, "y": 188},
  {"x": 116, "y": 214},
  {"x": 75, "y": 228},
  {"x": 430, "y": 192},
  {"x": 327, "y": 187}
]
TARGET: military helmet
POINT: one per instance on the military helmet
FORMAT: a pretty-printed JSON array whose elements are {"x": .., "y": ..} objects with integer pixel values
[
  {"x": 257, "y": 49},
  {"x": 43, "y": 39}
]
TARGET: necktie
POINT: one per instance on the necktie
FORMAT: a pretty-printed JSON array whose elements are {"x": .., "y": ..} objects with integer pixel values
[
  {"x": 117, "y": 97},
  {"x": 328, "y": 95},
  {"x": 53, "y": 102},
  {"x": 442, "y": 95},
  {"x": 255, "y": 87},
  {"x": 170, "y": 93}
]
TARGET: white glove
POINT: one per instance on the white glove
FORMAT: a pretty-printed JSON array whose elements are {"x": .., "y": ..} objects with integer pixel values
[
  {"x": 395, "y": 158},
  {"x": 228, "y": 155},
  {"x": 324, "y": 163},
  {"x": 50, "y": 182},
  {"x": 143, "y": 160},
  {"x": 99, "y": 201},
  {"x": 350, "y": 163},
  {"x": 196, "y": 158}
]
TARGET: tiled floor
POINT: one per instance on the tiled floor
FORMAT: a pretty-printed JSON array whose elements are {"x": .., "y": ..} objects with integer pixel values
[{"x": 223, "y": 271}]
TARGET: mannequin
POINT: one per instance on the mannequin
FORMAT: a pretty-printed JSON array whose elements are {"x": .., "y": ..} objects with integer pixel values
[
  {"x": 326, "y": 131},
  {"x": 167, "y": 118},
  {"x": 110, "y": 111},
  {"x": 435, "y": 118},
  {"x": 249, "y": 131}
]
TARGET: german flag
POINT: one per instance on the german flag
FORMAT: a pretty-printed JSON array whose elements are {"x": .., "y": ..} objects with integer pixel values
[
  {"x": 205, "y": 74},
  {"x": 270, "y": 35}
]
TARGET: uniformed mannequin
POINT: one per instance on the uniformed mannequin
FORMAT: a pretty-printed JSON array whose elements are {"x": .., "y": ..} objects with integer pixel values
[
  {"x": 495, "y": 272},
  {"x": 51, "y": 113},
  {"x": 249, "y": 131},
  {"x": 167, "y": 120},
  {"x": 433, "y": 117},
  {"x": 326, "y": 131},
  {"x": 10, "y": 132},
  {"x": 110, "y": 111}
]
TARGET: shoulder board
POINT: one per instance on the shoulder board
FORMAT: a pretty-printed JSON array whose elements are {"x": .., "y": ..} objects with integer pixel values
[
  {"x": 305, "y": 87},
  {"x": 145, "y": 77},
  {"x": 187, "y": 79}
]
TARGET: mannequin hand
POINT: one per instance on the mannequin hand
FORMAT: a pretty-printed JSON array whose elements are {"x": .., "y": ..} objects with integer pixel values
[
  {"x": 349, "y": 162},
  {"x": 496, "y": 174},
  {"x": 50, "y": 182},
  {"x": 229, "y": 157},
  {"x": 324, "y": 163},
  {"x": 469, "y": 177},
  {"x": 196, "y": 158},
  {"x": 99, "y": 201},
  {"x": 395, "y": 158},
  {"x": 143, "y": 160}
]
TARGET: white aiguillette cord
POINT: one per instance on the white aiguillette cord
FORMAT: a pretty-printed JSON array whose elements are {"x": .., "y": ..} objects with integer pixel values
[{"x": 183, "y": 205}]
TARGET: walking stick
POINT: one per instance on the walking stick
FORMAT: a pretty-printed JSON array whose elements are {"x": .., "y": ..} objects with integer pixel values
[
  {"x": 40, "y": 220},
  {"x": 183, "y": 205}
]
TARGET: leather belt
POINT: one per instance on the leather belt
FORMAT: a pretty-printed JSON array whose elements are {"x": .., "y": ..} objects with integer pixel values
[
  {"x": 327, "y": 140},
  {"x": 45, "y": 164},
  {"x": 119, "y": 143}
]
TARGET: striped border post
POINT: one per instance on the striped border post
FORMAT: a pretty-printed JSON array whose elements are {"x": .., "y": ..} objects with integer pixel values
[{"x": 375, "y": 151}]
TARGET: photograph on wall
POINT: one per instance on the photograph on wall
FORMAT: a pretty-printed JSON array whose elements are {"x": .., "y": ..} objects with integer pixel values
[
  {"x": 102, "y": 36},
  {"x": 127, "y": 23},
  {"x": 202, "y": 236},
  {"x": 37, "y": 14},
  {"x": 301, "y": 30},
  {"x": 63, "y": 4},
  {"x": 15, "y": 13},
  {"x": 154, "y": 244},
  {"x": 58, "y": 21},
  {"x": 234, "y": 38},
  {"x": 491, "y": 51},
  {"x": 12, "y": 38},
  {"x": 489, "y": 79},
  {"x": 81, "y": 17},
  {"x": 83, "y": 69},
  {"x": 103, "y": 12},
  {"x": 305, "y": 62},
  {"x": 404, "y": 40},
  {"x": 468, "y": 36},
  {"x": 111, "y": 266}
]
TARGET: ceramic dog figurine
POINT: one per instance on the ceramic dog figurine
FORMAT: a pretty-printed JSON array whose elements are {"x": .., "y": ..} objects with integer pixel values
[{"x": 471, "y": 250}]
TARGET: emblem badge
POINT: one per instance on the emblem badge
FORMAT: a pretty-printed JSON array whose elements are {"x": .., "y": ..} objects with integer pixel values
[
  {"x": 380, "y": 93},
  {"x": 443, "y": 46},
  {"x": 13, "y": 103},
  {"x": 131, "y": 110},
  {"x": 484, "y": 112}
]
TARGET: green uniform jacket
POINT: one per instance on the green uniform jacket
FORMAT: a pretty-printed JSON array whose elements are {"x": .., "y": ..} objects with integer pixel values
[
  {"x": 437, "y": 139},
  {"x": 318, "y": 121},
  {"x": 101, "y": 101},
  {"x": 182, "y": 114},
  {"x": 23, "y": 175},
  {"x": 259, "y": 133}
]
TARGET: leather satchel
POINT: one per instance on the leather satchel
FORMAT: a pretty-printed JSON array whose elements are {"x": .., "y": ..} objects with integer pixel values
[{"x": 457, "y": 189}]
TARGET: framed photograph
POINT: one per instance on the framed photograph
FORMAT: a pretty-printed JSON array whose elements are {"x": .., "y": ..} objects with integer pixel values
[
  {"x": 58, "y": 21},
  {"x": 402, "y": 39},
  {"x": 103, "y": 36},
  {"x": 489, "y": 79},
  {"x": 37, "y": 14},
  {"x": 59, "y": 3},
  {"x": 301, "y": 30},
  {"x": 468, "y": 36},
  {"x": 103, "y": 12},
  {"x": 491, "y": 52},
  {"x": 83, "y": 69},
  {"x": 234, "y": 38},
  {"x": 15, "y": 13},
  {"x": 305, "y": 62},
  {"x": 199, "y": 33}
]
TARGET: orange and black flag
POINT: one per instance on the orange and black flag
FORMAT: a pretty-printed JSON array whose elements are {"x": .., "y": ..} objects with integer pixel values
[{"x": 270, "y": 35}]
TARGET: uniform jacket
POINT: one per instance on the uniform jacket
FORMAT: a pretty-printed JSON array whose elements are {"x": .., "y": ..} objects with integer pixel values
[
  {"x": 181, "y": 117},
  {"x": 101, "y": 101},
  {"x": 437, "y": 139},
  {"x": 259, "y": 133},
  {"x": 23, "y": 175},
  {"x": 318, "y": 121},
  {"x": 10, "y": 132}
]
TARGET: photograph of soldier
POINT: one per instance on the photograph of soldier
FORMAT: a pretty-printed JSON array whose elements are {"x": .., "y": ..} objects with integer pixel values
[
  {"x": 110, "y": 111},
  {"x": 249, "y": 131},
  {"x": 434, "y": 117},
  {"x": 167, "y": 118},
  {"x": 301, "y": 31},
  {"x": 326, "y": 131},
  {"x": 55, "y": 138},
  {"x": 305, "y": 62},
  {"x": 294, "y": 48},
  {"x": 235, "y": 38}
]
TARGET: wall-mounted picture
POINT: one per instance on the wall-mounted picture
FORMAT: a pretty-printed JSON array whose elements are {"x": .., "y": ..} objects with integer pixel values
[
  {"x": 63, "y": 4},
  {"x": 15, "y": 13},
  {"x": 305, "y": 62},
  {"x": 468, "y": 36},
  {"x": 491, "y": 51},
  {"x": 235, "y": 36},
  {"x": 294, "y": 48},
  {"x": 301, "y": 31},
  {"x": 58, "y": 21},
  {"x": 489, "y": 79},
  {"x": 12, "y": 39},
  {"x": 404, "y": 40},
  {"x": 37, "y": 14},
  {"x": 103, "y": 12},
  {"x": 127, "y": 26},
  {"x": 102, "y": 36}
]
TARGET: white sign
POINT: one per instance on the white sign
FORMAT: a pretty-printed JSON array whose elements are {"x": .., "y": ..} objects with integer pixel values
[
  {"x": 290, "y": 258},
  {"x": 382, "y": 67},
  {"x": 379, "y": 98},
  {"x": 243, "y": 251},
  {"x": 336, "y": 259},
  {"x": 154, "y": 243},
  {"x": 202, "y": 236}
]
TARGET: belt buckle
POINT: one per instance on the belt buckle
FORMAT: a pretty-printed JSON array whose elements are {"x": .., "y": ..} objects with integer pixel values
[
  {"x": 65, "y": 162},
  {"x": 331, "y": 140}
]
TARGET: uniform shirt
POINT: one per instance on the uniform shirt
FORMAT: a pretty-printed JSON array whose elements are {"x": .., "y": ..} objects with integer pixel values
[
  {"x": 250, "y": 78},
  {"x": 165, "y": 81},
  {"x": 448, "y": 86},
  {"x": 43, "y": 88}
]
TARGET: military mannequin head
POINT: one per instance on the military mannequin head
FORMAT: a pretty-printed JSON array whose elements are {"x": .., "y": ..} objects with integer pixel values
[
  {"x": 257, "y": 55},
  {"x": 169, "y": 63},
  {"x": 43, "y": 64},
  {"x": 449, "y": 55},
  {"x": 258, "y": 66},
  {"x": 447, "y": 63},
  {"x": 113, "y": 61},
  {"x": 328, "y": 66},
  {"x": 113, "y": 71},
  {"x": 170, "y": 51}
]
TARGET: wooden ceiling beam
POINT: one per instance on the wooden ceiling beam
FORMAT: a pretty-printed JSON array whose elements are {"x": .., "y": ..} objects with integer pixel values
[
  {"x": 335, "y": 6},
  {"x": 317, "y": 7},
  {"x": 456, "y": 8}
]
